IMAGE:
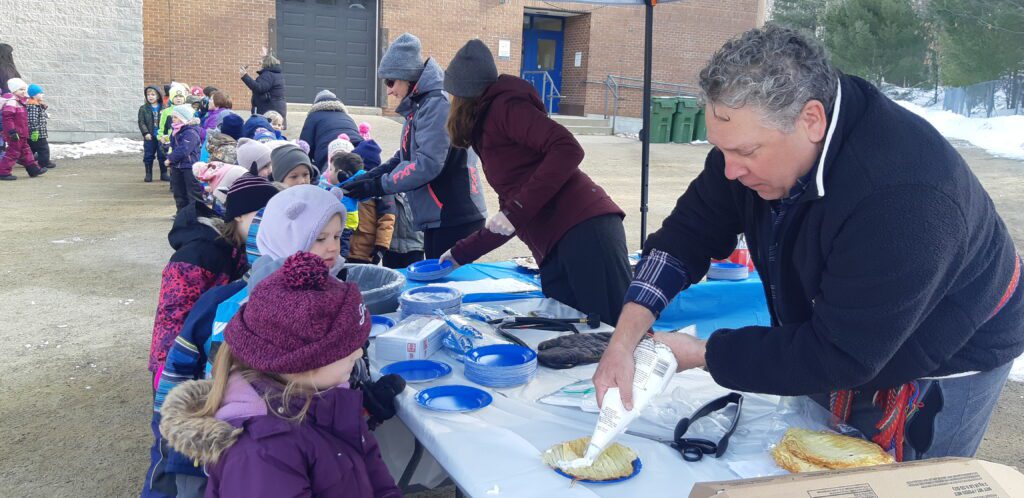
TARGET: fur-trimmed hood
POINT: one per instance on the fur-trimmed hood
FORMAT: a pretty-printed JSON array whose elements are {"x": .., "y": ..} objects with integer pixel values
[
  {"x": 197, "y": 437},
  {"x": 205, "y": 438},
  {"x": 329, "y": 105}
]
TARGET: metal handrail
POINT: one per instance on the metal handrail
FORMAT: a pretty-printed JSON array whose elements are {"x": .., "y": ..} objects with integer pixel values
[
  {"x": 613, "y": 83},
  {"x": 548, "y": 83}
]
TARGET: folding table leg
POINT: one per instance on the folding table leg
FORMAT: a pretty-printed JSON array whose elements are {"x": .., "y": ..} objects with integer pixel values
[{"x": 410, "y": 468}]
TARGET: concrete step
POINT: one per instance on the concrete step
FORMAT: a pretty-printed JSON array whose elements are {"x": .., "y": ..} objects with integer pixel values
[
  {"x": 569, "y": 121},
  {"x": 589, "y": 130}
]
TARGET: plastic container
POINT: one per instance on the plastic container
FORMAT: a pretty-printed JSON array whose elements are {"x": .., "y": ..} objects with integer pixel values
[
  {"x": 700, "y": 130},
  {"x": 425, "y": 300},
  {"x": 662, "y": 109},
  {"x": 684, "y": 120},
  {"x": 379, "y": 286}
]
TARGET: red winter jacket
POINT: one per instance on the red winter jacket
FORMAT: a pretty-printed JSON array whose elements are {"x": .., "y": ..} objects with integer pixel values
[
  {"x": 15, "y": 117},
  {"x": 532, "y": 163}
]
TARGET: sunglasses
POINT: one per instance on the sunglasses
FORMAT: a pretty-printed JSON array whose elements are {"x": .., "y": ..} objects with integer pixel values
[{"x": 389, "y": 83}]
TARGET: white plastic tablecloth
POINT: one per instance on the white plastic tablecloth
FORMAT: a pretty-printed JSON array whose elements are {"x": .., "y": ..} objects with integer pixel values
[{"x": 495, "y": 451}]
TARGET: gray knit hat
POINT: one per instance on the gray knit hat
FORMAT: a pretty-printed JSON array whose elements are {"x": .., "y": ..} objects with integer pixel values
[
  {"x": 402, "y": 61},
  {"x": 471, "y": 71},
  {"x": 324, "y": 95},
  {"x": 288, "y": 157}
]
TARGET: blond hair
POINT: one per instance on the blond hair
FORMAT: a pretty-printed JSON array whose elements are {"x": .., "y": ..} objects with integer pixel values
[{"x": 226, "y": 364}]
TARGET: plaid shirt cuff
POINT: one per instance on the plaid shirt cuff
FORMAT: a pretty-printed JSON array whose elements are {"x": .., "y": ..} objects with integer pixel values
[{"x": 659, "y": 277}]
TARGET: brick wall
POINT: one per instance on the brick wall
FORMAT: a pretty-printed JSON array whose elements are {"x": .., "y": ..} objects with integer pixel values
[
  {"x": 203, "y": 43},
  {"x": 444, "y": 26},
  {"x": 574, "y": 79},
  {"x": 87, "y": 56}
]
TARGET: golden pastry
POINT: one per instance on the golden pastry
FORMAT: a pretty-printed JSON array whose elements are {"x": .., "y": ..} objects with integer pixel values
[{"x": 615, "y": 462}]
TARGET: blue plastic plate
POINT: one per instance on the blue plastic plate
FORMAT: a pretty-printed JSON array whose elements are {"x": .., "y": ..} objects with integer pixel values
[
  {"x": 728, "y": 266},
  {"x": 501, "y": 355},
  {"x": 453, "y": 398},
  {"x": 414, "y": 371},
  {"x": 430, "y": 269},
  {"x": 637, "y": 467},
  {"x": 380, "y": 324}
]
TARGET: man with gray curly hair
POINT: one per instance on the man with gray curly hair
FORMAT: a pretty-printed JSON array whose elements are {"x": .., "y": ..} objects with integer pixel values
[{"x": 891, "y": 281}]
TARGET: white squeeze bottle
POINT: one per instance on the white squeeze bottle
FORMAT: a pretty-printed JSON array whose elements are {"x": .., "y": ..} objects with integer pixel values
[{"x": 655, "y": 366}]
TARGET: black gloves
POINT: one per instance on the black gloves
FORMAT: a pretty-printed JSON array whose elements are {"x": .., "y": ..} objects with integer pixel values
[
  {"x": 379, "y": 398},
  {"x": 364, "y": 188},
  {"x": 378, "y": 254},
  {"x": 570, "y": 350}
]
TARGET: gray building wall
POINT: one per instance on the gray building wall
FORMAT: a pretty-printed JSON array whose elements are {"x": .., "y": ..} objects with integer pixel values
[{"x": 87, "y": 56}]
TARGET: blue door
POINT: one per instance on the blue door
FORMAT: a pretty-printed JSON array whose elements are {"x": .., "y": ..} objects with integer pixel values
[{"x": 542, "y": 53}]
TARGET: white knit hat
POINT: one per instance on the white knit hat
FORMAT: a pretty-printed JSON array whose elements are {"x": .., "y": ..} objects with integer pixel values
[
  {"x": 16, "y": 84},
  {"x": 340, "y": 144}
]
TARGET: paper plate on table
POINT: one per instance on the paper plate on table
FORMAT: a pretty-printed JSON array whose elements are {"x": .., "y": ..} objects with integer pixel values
[
  {"x": 526, "y": 263},
  {"x": 637, "y": 467},
  {"x": 414, "y": 371},
  {"x": 728, "y": 271},
  {"x": 429, "y": 269},
  {"x": 380, "y": 324},
  {"x": 453, "y": 398}
]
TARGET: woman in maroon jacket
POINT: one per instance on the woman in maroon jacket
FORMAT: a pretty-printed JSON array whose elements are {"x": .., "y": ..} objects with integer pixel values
[{"x": 572, "y": 227}]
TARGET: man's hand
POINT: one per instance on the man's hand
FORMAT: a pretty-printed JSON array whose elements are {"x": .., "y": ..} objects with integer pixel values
[
  {"x": 615, "y": 370},
  {"x": 149, "y": 137},
  {"x": 688, "y": 349},
  {"x": 447, "y": 256},
  {"x": 616, "y": 366},
  {"x": 499, "y": 224}
]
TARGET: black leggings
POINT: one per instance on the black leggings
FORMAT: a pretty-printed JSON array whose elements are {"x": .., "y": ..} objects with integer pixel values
[
  {"x": 436, "y": 241},
  {"x": 588, "y": 268}
]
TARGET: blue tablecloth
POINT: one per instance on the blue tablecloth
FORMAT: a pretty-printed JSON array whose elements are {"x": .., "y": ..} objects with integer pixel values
[{"x": 710, "y": 305}]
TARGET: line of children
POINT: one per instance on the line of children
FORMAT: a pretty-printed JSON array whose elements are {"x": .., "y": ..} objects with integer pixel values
[{"x": 16, "y": 132}]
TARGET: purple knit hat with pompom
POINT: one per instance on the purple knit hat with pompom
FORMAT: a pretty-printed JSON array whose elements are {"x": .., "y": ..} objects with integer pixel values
[{"x": 299, "y": 319}]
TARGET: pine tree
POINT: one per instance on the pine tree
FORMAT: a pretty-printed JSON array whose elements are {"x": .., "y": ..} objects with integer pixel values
[
  {"x": 800, "y": 14},
  {"x": 979, "y": 40},
  {"x": 877, "y": 40}
]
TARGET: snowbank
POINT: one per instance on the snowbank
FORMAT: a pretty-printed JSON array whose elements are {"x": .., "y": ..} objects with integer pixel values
[
  {"x": 1017, "y": 372},
  {"x": 1000, "y": 136},
  {"x": 101, "y": 146}
]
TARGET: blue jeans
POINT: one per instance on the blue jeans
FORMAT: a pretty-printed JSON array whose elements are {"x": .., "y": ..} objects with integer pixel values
[{"x": 952, "y": 421}]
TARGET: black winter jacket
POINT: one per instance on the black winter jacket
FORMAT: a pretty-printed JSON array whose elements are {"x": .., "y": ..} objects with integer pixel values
[
  {"x": 267, "y": 91},
  {"x": 887, "y": 269},
  {"x": 146, "y": 124}
]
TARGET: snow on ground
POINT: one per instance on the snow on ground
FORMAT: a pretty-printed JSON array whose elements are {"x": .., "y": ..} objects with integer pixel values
[
  {"x": 101, "y": 146},
  {"x": 1017, "y": 372},
  {"x": 1000, "y": 136}
]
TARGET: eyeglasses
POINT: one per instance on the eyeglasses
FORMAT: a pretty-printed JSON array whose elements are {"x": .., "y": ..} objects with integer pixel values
[
  {"x": 693, "y": 449},
  {"x": 389, "y": 83}
]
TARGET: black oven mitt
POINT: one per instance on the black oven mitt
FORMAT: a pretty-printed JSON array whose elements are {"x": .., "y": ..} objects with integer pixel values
[{"x": 570, "y": 350}]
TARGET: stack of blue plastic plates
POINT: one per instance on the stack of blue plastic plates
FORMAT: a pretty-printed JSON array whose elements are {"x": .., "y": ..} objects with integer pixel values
[
  {"x": 424, "y": 300},
  {"x": 728, "y": 271},
  {"x": 501, "y": 365},
  {"x": 429, "y": 269}
]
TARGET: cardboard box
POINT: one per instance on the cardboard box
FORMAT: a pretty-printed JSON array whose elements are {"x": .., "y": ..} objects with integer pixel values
[{"x": 938, "y": 478}]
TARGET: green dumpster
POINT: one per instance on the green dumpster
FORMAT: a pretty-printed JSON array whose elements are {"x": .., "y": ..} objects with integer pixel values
[
  {"x": 701, "y": 129},
  {"x": 684, "y": 120},
  {"x": 662, "y": 110}
]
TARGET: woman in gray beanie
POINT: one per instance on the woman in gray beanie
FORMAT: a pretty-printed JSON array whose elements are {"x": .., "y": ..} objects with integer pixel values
[
  {"x": 442, "y": 183},
  {"x": 572, "y": 227}
]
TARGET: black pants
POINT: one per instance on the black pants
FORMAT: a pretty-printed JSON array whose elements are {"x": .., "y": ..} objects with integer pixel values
[
  {"x": 588, "y": 269},
  {"x": 153, "y": 150},
  {"x": 185, "y": 187},
  {"x": 399, "y": 260},
  {"x": 436, "y": 241},
  {"x": 41, "y": 149}
]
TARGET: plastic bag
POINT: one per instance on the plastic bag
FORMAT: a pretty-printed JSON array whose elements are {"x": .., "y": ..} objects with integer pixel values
[{"x": 465, "y": 334}]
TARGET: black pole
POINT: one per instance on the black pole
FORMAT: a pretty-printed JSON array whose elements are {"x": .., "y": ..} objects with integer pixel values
[{"x": 645, "y": 132}]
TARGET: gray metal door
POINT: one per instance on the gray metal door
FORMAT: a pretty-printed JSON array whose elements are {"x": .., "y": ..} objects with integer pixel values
[{"x": 328, "y": 44}]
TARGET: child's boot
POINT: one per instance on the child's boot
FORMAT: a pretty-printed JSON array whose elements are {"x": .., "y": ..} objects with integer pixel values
[
  {"x": 149, "y": 173},
  {"x": 34, "y": 171},
  {"x": 163, "y": 173}
]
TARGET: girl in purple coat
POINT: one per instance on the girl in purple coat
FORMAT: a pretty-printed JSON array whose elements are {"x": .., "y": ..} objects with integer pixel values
[{"x": 278, "y": 417}]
